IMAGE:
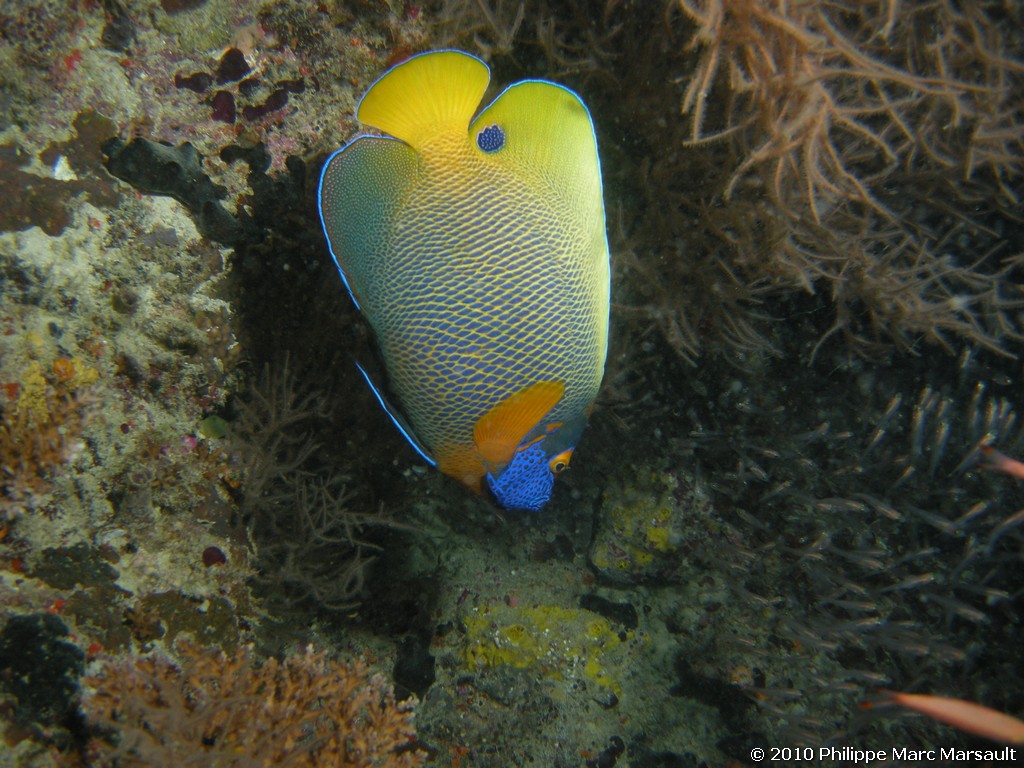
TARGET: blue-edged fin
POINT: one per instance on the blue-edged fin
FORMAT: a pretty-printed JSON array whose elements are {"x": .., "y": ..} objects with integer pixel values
[
  {"x": 361, "y": 189},
  {"x": 427, "y": 95},
  {"x": 549, "y": 131},
  {"x": 500, "y": 431},
  {"x": 397, "y": 418}
]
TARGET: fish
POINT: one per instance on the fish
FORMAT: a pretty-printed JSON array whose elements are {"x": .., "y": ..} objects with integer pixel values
[
  {"x": 965, "y": 715},
  {"x": 1000, "y": 462},
  {"x": 475, "y": 247}
]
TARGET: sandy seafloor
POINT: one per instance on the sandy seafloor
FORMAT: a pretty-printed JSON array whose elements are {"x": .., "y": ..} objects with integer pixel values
[{"x": 740, "y": 556}]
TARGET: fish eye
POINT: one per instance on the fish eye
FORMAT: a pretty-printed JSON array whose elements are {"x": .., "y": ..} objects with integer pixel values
[
  {"x": 491, "y": 138},
  {"x": 560, "y": 463}
]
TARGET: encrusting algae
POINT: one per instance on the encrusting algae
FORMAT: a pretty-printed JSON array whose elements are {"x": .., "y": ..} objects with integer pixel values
[
  {"x": 555, "y": 642},
  {"x": 40, "y": 422}
]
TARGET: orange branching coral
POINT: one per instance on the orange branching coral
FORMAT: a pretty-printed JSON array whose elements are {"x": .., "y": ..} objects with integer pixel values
[
  {"x": 889, "y": 138},
  {"x": 223, "y": 710}
]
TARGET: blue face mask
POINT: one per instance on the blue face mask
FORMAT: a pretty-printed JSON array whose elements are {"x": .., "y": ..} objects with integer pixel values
[{"x": 526, "y": 482}]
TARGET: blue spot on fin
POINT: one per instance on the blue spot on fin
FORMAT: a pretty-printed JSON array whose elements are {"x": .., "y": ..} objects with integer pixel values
[
  {"x": 397, "y": 418},
  {"x": 491, "y": 138}
]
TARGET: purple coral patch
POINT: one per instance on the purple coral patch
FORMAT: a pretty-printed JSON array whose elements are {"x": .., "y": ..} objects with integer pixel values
[
  {"x": 214, "y": 556},
  {"x": 180, "y": 6},
  {"x": 276, "y": 100},
  {"x": 197, "y": 81},
  {"x": 232, "y": 66},
  {"x": 223, "y": 107},
  {"x": 249, "y": 86}
]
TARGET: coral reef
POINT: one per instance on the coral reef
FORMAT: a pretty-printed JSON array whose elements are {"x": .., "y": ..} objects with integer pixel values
[
  {"x": 40, "y": 430},
  {"x": 751, "y": 545},
  {"x": 123, "y": 326},
  {"x": 214, "y": 709}
]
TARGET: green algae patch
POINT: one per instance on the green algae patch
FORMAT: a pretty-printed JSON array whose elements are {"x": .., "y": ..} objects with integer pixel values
[
  {"x": 649, "y": 527},
  {"x": 565, "y": 644},
  {"x": 79, "y": 564},
  {"x": 209, "y": 622}
]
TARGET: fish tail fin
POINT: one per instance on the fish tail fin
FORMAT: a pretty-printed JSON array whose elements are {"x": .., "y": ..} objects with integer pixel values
[
  {"x": 426, "y": 95},
  {"x": 999, "y": 462}
]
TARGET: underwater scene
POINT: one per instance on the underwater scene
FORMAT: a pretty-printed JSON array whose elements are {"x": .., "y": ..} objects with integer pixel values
[{"x": 511, "y": 383}]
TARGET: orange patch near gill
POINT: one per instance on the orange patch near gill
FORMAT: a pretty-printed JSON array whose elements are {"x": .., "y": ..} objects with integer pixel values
[
  {"x": 503, "y": 428},
  {"x": 498, "y": 433}
]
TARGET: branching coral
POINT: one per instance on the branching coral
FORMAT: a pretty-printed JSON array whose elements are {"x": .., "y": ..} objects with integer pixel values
[
  {"x": 869, "y": 126},
  {"x": 570, "y": 37},
  {"x": 273, "y": 435},
  {"x": 310, "y": 543},
  {"x": 232, "y": 711},
  {"x": 824, "y": 90},
  {"x": 493, "y": 26}
]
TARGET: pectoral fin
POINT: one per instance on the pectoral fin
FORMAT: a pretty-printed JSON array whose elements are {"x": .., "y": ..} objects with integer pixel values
[{"x": 501, "y": 430}]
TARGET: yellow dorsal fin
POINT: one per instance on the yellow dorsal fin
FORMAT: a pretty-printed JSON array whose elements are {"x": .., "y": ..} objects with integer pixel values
[
  {"x": 426, "y": 95},
  {"x": 500, "y": 431}
]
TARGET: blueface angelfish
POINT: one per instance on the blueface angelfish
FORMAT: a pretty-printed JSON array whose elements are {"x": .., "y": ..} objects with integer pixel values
[{"x": 476, "y": 249}]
